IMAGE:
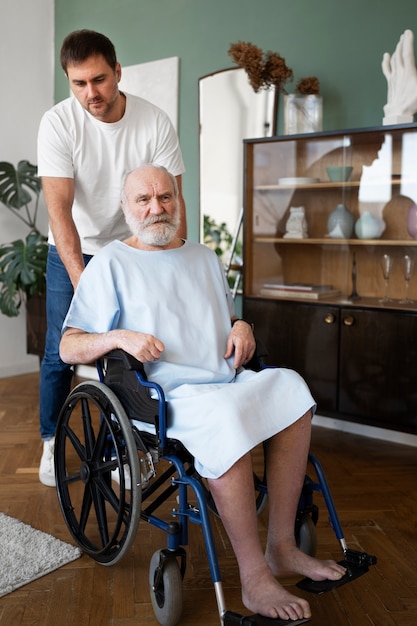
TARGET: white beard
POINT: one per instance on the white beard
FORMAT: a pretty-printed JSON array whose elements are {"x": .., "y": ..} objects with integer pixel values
[{"x": 154, "y": 231}]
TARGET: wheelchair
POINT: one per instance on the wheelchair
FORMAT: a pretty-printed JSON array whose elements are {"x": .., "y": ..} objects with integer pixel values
[{"x": 107, "y": 481}]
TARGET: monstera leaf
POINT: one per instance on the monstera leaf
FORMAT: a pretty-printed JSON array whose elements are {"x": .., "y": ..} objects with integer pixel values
[
  {"x": 22, "y": 271},
  {"x": 16, "y": 184},
  {"x": 22, "y": 262}
]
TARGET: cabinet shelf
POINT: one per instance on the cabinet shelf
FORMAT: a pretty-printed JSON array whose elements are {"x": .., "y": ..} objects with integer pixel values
[
  {"x": 330, "y": 241},
  {"x": 331, "y": 185},
  {"x": 345, "y": 301}
]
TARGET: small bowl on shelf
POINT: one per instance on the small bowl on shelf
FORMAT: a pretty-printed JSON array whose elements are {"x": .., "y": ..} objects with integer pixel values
[{"x": 339, "y": 173}]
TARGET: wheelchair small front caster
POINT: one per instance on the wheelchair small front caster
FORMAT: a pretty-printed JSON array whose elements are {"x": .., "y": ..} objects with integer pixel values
[
  {"x": 306, "y": 534},
  {"x": 165, "y": 582}
]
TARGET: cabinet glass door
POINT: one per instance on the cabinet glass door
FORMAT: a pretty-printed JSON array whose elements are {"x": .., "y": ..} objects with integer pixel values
[{"x": 322, "y": 210}]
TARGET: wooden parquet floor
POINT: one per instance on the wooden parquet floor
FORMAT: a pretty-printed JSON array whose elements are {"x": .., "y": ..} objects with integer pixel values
[{"x": 374, "y": 485}]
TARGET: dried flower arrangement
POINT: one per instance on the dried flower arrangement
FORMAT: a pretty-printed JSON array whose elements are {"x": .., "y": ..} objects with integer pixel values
[
  {"x": 268, "y": 69},
  {"x": 308, "y": 86}
]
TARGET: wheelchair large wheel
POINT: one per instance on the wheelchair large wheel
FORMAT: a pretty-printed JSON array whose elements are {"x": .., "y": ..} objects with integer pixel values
[
  {"x": 306, "y": 534},
  {"x": 94, "y": 445},
  {"x": 166, "y": 589}
]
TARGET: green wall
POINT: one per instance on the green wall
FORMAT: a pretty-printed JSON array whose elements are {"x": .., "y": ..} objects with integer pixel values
[{"x": 340, "y": 42}]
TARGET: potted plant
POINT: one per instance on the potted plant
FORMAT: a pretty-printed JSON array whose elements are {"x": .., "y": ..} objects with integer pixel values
[
  {"x": 23, "y": 261},
  {"x": 219, "y": 238}
]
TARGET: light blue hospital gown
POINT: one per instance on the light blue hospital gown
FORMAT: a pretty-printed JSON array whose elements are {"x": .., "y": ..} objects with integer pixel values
[{"x": 181, "y": 296}]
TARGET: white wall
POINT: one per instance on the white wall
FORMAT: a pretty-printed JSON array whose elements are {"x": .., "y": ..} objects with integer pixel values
[{"x": 26, "y": 79}]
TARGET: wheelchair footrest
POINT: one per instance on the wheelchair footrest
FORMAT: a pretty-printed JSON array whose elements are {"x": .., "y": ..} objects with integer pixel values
[
  {"x": 356, "y": 564},
  {"x": 234, "y": 619}
]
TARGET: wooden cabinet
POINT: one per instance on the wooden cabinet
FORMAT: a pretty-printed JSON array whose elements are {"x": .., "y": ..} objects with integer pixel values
[{"x": 319, "y": 299}]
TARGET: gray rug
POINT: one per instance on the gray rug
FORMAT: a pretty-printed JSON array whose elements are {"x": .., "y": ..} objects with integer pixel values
[{"x": 27, "y": 554}]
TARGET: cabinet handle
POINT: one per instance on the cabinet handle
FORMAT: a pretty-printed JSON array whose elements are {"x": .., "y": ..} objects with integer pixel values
[
  {"x": 330, "y": 318},
  {"x": 349, "y": 320}
]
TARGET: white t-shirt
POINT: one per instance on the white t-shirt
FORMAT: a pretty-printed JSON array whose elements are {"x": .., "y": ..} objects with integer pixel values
[{"x": 74, "y": 144}]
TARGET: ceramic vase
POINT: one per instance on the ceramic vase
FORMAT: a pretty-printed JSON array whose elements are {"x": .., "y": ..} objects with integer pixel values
[
  {"x": 369, "y": 227},
  {"x": 412, "y": 221},
  {"x": 340, "y": 223}
]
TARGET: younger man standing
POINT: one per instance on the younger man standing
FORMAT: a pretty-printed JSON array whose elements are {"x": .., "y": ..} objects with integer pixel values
[{"x": 86, "y": 145}]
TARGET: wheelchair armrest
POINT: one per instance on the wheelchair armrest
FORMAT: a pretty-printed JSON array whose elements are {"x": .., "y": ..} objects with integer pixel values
[
  {"x": 129, "y": 361},
  {"x": 256, "y": 364},
  {"x": 126, "y": 377}
]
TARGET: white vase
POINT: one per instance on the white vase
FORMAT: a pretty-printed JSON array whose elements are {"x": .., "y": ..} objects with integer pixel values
[
  {"x": 369, "y": 227},
  {"x": 303, "y": 114},
  {"x": 340, "y": 223}
]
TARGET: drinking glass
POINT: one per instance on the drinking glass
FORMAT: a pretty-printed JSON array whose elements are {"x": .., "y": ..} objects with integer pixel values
[
  {"x": 407, "y": 270},
  {"x": 386, "y": 265}
]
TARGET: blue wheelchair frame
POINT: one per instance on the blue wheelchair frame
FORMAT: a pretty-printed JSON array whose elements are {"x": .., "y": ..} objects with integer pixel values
[{"x": 181, "y": 477}]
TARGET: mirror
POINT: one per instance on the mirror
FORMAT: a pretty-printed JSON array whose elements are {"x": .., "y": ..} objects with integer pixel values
[{"x": 229, "y": 111}]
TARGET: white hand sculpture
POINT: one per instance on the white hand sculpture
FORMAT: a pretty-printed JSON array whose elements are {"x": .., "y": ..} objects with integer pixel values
[{"x": 401, "y": 74}]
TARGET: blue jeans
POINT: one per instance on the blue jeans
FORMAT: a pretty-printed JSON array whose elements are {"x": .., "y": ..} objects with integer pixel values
[{"x": 55, "y": 375}]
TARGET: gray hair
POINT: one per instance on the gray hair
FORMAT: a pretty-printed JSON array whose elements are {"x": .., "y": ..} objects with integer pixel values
[{"x": 154, "y": 166}]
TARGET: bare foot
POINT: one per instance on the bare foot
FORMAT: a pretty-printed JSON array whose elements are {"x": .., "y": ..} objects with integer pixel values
[
  {"x": 289, "y": 560},
  {"x": 262, "y": 593}
]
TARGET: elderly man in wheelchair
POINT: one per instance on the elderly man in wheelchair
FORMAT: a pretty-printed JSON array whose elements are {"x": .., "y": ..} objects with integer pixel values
[{"x": 166, "y": 302}]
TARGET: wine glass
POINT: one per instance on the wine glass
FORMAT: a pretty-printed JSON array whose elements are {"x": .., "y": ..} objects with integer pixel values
[
  {"x": 408, "y": 270},
  {"x": 386, "y": 265}
]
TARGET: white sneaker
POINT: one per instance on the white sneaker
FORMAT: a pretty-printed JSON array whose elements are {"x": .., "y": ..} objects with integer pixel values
[{"x": 47, "y": 465}]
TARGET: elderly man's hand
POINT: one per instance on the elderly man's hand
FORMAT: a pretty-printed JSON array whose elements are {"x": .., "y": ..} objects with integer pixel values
[
  {"x": 142, "y": 346},
  {"x": 241, "y": 342}
]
